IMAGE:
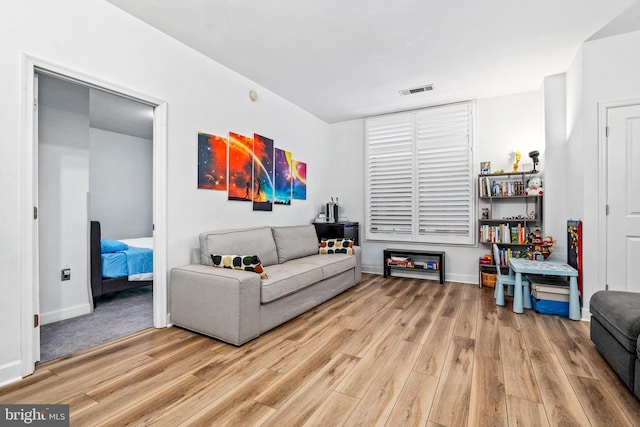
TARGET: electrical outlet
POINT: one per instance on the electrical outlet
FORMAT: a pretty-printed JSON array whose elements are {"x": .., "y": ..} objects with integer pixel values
[{"x": 65, "y": 274}]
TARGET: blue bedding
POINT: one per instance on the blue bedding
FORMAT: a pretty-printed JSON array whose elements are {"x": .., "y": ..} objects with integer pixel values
[{"x": 127, "y": 262}]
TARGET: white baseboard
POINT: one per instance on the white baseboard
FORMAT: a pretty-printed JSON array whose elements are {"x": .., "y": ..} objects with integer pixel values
[
  {"x": 67, "y": 313},
  {"x": 458, "y": 278},
  {"x": 10, "y": 372}
]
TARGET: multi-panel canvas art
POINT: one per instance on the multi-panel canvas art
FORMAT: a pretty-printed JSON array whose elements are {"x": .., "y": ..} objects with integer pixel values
[
  {"x": 283, "y": 177},
  {"x": 251, "y": 170},
  {"x": 262, "y": 173},
  {"x": 299, "y": 189},
  {"x": 212, "y": 162}
]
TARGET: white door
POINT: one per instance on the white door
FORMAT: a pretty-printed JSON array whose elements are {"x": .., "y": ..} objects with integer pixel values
[{"x": 623, "y": 198}]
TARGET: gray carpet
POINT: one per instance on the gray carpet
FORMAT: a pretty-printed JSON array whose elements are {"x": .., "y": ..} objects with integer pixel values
[{"x": 115, "y": 316}]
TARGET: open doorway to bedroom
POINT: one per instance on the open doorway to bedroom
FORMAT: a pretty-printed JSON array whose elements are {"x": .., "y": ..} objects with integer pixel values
[{"x": 95, "y": 223}]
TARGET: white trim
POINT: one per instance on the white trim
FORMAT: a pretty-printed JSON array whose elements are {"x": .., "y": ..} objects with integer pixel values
[
  {"x": 28, "y": 252},
  {"x": 160, "y": 299},
  {"x": 28, "y": 259},
  {"x": 10, "y": 371},
  {"x": 67, "y": 313},
  {"x": 603, "y": 173}
]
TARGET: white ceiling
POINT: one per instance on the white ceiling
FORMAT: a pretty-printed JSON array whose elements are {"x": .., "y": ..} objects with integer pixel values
[{"x": 341, "y": 59}]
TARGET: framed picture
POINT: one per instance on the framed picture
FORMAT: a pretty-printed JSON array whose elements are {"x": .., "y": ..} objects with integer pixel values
[{"x": 485, "y": 167}]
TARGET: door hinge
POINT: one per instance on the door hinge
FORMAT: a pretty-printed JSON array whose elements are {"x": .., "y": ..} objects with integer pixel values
[
  {"x": 606, "y": 287},
  {"x": 36, "y": 320},
  {"x": 35, "y": 212},
  {"x": 35, "y": 104},
  {"x": 606, "y": 209},
  {"x": 606, "y": 131}
]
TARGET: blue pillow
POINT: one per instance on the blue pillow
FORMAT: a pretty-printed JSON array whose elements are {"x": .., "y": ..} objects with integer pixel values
[{"x": 107, "y": 246}]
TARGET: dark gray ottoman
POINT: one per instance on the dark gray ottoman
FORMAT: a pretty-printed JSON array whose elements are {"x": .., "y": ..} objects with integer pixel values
[{"x": 615, "y": 326}]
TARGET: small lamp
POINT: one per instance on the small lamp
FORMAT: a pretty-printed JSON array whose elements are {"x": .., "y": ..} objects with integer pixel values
[{"x": 534, "y": 157}]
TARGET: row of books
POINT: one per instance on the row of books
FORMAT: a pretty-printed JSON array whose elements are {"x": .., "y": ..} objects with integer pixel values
[
  {"x": 505, "y": 255},
  {"x": 409, "y": 263},
  {"x": 503, "y": 233},
  {"x": 501, "y": 188}
]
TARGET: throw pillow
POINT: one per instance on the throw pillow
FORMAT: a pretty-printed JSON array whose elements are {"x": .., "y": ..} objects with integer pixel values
[
  {"x": 239, "y": 262},
  {"x": 336, "y": 246},
  {"x": 108, "y": 246}
]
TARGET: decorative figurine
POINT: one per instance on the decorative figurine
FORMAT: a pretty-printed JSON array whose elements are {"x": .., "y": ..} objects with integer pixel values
[
  {"x": 534, "y": 188},
  {"x": 515, "y": 165}
]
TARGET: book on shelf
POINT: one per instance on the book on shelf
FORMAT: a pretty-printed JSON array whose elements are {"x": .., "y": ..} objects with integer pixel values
[
  {"x": 400, "y": 262},
  {"x": 503, "y": 233},
  {"x": 494, "y": 188}
]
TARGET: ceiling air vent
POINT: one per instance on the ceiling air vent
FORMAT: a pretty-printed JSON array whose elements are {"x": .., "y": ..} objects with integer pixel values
[{"x": 415, "y": 90}]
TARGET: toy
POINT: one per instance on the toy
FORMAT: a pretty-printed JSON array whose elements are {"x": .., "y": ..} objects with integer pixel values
[
  {"x": 534, "y": 188},
  {"x": 515, "y": 165}
]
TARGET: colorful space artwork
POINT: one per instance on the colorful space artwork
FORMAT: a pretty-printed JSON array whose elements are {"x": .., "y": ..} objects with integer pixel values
[
  {"x": 240, "y": 167},
  {"x": 212, "y": 162},
  {"x": 283, "y": 178},
  {"x": 299, "y": 188},
  {"x": 262, "y": 173}
]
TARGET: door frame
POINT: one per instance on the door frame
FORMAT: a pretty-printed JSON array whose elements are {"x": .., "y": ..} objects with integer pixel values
[
  {"x": 29, "y": 262},
  {"x": 603, "y": 175}
]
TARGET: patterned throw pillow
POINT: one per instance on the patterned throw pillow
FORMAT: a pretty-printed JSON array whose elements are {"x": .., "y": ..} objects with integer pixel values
[
  {"x": 240, "y": 262},
  {"x": 336, "y": 246}
]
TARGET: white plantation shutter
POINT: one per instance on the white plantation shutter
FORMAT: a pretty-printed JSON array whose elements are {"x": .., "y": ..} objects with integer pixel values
[
  {"x": 390, "y": 175},
  {"x": 420, "y": 177},
  {"x": 445, "y": 182}
]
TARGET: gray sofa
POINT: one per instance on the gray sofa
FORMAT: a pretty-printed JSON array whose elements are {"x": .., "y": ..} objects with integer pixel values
[
  {"x": 237, "y": 306},
  {"x": 615, "y": 330}
]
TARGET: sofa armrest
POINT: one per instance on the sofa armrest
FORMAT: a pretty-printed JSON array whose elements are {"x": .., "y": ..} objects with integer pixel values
[
  {"x": 357, "y": 252},
  {"x": 219, "y": 302}
]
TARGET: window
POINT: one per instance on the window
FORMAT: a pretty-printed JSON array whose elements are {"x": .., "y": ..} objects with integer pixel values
[{"x": 420, "y": 176}]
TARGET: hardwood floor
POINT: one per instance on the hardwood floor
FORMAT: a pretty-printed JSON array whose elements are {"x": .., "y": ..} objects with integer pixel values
[{"x": 391, "y": 352}]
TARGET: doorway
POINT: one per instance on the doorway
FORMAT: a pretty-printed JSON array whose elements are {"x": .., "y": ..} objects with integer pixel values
[
  {"x": 95, "y": 152},
  {"x": 622, "y": 210},
  {"x": 30, "y": 281}
]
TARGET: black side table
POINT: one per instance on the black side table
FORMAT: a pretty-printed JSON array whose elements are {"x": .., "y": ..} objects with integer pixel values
[
  {"x": 340, "y": 229},
  {"x": 420, "y": 255}
]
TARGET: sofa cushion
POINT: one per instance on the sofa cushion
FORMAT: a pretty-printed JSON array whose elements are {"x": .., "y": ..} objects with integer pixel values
[
  {"x": 295, "y": 242},
  {"x": 619, "y": 313},
  {"x": 258, "y": 241},
  {"x": 330, "y": 265},
  {"x": 285, "y": 279}
]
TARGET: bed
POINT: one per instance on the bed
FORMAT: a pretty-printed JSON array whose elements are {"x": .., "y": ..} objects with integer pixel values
[{"x": 125, "y": 264}]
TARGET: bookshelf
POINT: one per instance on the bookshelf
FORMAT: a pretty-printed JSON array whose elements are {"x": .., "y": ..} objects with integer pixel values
[{"x": 507, "y": 216}]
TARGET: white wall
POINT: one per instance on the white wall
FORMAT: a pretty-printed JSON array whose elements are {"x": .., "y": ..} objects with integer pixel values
[
  {"x": 555, "y": 164},
  {"x": 505, "y": 124},
  {"x": 121, "y": 184},
  {"x": 63, "y": 164},
  {"x": 605, "y": 70},
  {"x": 97, "y": 39}
]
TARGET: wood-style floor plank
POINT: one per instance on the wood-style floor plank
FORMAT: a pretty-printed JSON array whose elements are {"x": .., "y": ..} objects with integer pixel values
[
  {"x": 379, "y": 400},
  {"x": 394, "y": 352},
  {"x": 451, "y": 404},
  {"x": 560, "y": 401},
  {"x": 415, "y": 400},
  {"x": 525, "y": 413},
  {"x": 488, "y": 405},
  {"x": 519, "y": 378}
]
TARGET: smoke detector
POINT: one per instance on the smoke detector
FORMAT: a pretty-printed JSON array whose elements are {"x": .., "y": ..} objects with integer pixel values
[{"x": 419, "y": 89}]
